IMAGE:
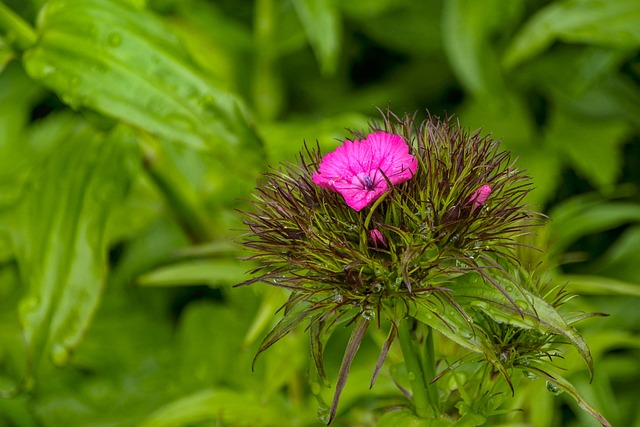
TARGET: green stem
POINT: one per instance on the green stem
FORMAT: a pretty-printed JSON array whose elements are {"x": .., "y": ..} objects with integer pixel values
[
  {"x": 25, "y": 35},
  {"x": 421, "y": 398}
]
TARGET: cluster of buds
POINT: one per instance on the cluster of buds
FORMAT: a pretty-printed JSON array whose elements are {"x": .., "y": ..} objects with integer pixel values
[{"x": 407, "y": 221}]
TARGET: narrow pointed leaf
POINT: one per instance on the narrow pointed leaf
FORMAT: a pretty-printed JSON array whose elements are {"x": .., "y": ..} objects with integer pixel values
[
  {"x": 383, "y": 353},
  {"x": 317, "y": 348},
  {"x": 228, "y": 407},
  {"x": 567, "y": 387},
  {"x": 291, "y": 319},
  {"x": 357, "y": 335}
]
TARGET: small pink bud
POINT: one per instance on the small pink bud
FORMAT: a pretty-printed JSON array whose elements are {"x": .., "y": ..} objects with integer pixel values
[
  {"x": 377, "y": 239},
  {"x": 480, "y": 196}
]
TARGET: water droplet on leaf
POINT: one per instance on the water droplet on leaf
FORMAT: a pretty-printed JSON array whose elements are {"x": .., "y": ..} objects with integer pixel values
[
  {"x": 553, "y": 389},
  {"x": 529, "y": 375},
  {"x": 368, "y": 314},
  {"x": 323, "y": 414},
  {"x": 114, "y": 39},
  {"x": 59, "y": 354}
]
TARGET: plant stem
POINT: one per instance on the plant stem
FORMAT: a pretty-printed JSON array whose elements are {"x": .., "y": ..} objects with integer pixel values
[
  {"x": 25, "y": 35},
  {"x": 429, "y": 370},
  {"x": 421, "y": 399}
]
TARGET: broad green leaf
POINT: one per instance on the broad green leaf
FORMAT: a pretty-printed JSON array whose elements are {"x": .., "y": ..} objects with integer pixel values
[
  {"x": 17, "y": 94},
  {"x": 283, "y": 140},
  {"x": 445, "y": 317},
  {"x": 611, "y": 23},
  {"x": 110, "y": 57},
  {"x": 593, "y": 146},
  {"x": 468, "y": 27},
  {"x": 529, "y": 311},
  {"x": 409, "y": 27},
  {"x": 322, "y": 24},
  {"x": 620, "y": 260},
  {"x": 60, "y": 236},
  {"x": 598, "y": 285},
  {"x": 227, "y": 406},
  {"x": 584, "y": 215},
  {"x": 209, "y": 346},
  {"x": 214, "y": 272},
  {"x": 403, "y": 418}
]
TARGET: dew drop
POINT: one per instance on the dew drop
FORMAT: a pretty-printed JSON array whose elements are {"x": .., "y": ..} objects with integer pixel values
[
  {"x": 315, "y": 388},
  {"x": 376, "y": 287},
  {"x": 553, "y": 389},
  {"x": 522, "y": 304},
  {"x": 466, "y": 334},
  {"x": 114, "y": 39},
  {"x": 72, "y": 100},
  {"x": 337, "y": 297},
  {"x": 368, "y": 314},
  {"x": 59, "y": 354},
  {"x": 509, "y": 289},
  {"x": 412, "y": 375},
  {"x": 323, "y": 414},
  {"x": 529, "y": 375},
  {"x": 180, "y": 121}
]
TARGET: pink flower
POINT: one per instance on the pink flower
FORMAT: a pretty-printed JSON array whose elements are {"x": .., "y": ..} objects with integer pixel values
[
  {"x": 377, "y": 239},
  {"x": 480, "y": 196},
  {"x": 357, "y": 169}
]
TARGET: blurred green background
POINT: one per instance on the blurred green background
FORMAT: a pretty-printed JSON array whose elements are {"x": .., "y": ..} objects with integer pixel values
[{"x": 131, "y": 131}]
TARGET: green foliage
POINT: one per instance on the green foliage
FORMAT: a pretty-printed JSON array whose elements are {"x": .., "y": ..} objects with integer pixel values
[{"x": 132, "y": 130}]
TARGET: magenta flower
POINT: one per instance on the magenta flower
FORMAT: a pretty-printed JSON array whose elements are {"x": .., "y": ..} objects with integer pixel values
[
  {"x": 480, "y": 196},
  {"x": 357, "y": 169}
]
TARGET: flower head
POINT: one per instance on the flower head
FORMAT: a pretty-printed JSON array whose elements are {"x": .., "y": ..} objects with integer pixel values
[
  {"x": 343, "y": 255},
  {"x": 361, "y": 170}
]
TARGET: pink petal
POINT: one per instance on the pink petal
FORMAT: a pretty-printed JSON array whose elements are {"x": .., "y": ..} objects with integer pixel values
[
  {"x": 480, "y": 196},
  {"x": 357, "y": 169},
  {"x": 377, "y": 238}
]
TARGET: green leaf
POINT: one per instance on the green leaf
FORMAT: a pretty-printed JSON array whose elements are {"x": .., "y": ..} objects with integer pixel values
[
  {"x": 529, "y": 312},
  {"x": 322, "y": 24},
  {"x": 60, "y": 236},
  {"x": 593, "y": 146},
  {"x": 598, "y": 285},
  {"x": 110, "y": 57},
  {"x": 620, "y": 260},
  {"x": 445, "y": 317},
  {"x": 403, "y": 418},
  {"x": 468, "y": 26},
  {"x": 567, "y": 387},
  {"x": 228, "y": 406},
  {"x": 584, "y": 215},
  {"x": 214, "y": 272},
  {"x": 611, "y": 23}
]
